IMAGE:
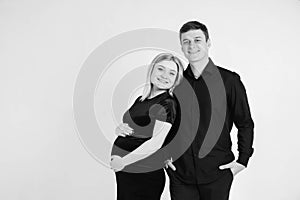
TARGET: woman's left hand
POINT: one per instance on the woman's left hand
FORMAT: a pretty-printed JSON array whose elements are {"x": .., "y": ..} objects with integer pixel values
[{"x": 116, "y": 163}]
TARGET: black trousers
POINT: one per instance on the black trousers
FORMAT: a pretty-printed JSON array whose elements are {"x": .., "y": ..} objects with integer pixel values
[
  {"x": 140, "y": 186},
  {"x": 216, "y": 190}
]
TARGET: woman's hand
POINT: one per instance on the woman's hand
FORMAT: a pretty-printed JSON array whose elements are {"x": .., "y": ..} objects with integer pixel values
[
  {"x": 123, "y": 130},
  {"x": 169, "y": 163},
  {"x": 116, "y": 163}
]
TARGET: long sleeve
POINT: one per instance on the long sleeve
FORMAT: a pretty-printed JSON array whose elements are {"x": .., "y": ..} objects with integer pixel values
[{"x": 242, "y": 120}]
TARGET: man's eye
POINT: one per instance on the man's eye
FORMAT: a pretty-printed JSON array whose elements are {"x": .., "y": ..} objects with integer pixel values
[
  {"x": 160, "y": 69},
  {"x": 172, "y": 74},
  {"x": 197, "y": 41}
]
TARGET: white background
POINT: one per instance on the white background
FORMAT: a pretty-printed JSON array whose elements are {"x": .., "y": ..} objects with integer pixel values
[{"x": 44, "y": 43}]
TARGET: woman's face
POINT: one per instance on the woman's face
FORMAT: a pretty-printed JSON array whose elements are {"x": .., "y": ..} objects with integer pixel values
[{"x": 164, "y": 74}]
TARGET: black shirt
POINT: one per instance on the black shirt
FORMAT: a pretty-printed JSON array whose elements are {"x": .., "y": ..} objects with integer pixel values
[{"x": 222, "y": 102}]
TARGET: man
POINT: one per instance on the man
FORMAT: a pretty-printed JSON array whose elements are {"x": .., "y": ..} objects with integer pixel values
[{"x": 206, "y": 169}]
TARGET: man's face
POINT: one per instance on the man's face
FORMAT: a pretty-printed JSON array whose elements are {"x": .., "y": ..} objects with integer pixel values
[{"x": 194, "y": 45}]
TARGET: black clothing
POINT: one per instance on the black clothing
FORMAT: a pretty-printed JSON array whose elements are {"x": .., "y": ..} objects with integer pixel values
[
  {"x": 140, "y": 186},
  {"x": 216, "y": 190},
  {"x": 131, "y": 183},
  {"x": 191, "y": 168}
]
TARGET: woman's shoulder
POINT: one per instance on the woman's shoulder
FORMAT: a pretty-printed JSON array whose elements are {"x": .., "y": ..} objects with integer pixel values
[{"x": 169, "y": 99}]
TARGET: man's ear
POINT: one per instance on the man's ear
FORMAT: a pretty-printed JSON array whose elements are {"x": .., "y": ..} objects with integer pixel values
[{"x": 208, "y": 43}]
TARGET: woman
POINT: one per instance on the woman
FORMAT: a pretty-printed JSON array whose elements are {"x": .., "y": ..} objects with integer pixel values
[{"x": 148, "y": 121}]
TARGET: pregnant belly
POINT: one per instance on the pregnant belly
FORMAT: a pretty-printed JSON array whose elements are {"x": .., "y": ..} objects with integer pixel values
[{"x": 124, "y": 145}]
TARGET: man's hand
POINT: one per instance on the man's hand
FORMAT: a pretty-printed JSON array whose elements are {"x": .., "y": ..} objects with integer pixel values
[
  {"x": 169, "y": 163},
  {"x": 116, "y": 163},
  {"x": 123, "y": 130},
  {"x": 234, "y": 167}
]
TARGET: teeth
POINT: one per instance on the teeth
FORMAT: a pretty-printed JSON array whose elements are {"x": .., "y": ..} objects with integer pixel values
[{"x": 162, "y": 81}]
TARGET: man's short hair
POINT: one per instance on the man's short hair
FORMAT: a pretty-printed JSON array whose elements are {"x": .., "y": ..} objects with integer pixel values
[{"x": 194, "y": 25}]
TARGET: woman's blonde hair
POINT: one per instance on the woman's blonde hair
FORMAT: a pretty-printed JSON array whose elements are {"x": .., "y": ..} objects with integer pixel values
[{"x": 159, "y": 58}]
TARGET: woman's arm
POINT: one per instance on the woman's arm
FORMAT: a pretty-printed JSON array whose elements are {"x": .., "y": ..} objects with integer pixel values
[{"x": 160, "y": 132}]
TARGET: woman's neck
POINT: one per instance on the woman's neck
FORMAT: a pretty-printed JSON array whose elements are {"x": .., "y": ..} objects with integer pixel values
[{"x": 155, "y": 91}]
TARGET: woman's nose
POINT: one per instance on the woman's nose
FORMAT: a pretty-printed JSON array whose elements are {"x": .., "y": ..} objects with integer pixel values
[{"x": 164, "y": 75}]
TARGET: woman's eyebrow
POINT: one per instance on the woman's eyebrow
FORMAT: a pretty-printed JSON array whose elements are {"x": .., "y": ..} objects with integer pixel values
[{"x": 160, "y": 65}]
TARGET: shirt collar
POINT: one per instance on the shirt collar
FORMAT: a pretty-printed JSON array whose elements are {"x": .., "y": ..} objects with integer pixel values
[{"x": 208, "y": 70}]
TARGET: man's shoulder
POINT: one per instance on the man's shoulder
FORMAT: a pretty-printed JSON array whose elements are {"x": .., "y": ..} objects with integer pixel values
[{"x": 227, "y": 74}]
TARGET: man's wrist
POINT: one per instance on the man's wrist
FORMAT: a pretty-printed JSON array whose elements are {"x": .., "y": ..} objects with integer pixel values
[{"x": 243, "y": 159}]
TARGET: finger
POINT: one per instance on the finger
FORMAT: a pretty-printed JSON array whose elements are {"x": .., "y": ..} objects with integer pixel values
[
  {"x": 172, "y": 166},
  {"x": 125, "y": 126},
  {"x": 119, "y": 132},
  {"x": 225, "y": 166},
  {"x": 128, "y": 127},
  {"x": 122, "y": 135},
  {"x": 127, "y": 131},
  {"x": 166, "y": 164}
]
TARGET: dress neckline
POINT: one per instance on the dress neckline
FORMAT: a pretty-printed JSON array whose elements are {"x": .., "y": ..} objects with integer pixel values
[{"x": 157, "y": 95}]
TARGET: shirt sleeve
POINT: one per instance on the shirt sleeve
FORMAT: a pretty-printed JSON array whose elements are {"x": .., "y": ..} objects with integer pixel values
[
  {"x": 164, "y": 111},
  {"x": 242, "y": 120}
]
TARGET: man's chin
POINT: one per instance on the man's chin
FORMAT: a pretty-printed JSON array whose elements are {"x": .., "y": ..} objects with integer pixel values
[{"x": 194, "y": 58}]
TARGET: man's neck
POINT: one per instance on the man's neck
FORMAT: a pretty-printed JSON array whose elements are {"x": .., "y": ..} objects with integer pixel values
[{"x": 198, "y": 67}]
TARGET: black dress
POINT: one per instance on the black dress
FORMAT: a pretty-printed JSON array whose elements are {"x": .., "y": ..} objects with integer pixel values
[{"x": 137, "y": 181}]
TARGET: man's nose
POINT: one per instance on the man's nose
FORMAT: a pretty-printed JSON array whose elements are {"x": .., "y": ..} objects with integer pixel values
[{"x": 191, "y": 45}]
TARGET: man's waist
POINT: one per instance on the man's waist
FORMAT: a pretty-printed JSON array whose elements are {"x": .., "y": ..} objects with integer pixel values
[
  {"x": 191, "y": 170},
  {"x": 209, "y": 162}
]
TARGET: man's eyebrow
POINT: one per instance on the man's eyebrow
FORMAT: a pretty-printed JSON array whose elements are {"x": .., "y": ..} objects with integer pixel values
[{"x": 196, "y": 37}]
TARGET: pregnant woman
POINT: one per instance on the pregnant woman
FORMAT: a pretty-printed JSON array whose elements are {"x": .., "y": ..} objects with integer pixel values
[{"x": 145, "y": 126}]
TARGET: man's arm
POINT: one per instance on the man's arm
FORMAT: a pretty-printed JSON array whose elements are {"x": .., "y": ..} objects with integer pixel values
[{"x": 242, "y": 120}]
